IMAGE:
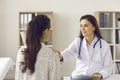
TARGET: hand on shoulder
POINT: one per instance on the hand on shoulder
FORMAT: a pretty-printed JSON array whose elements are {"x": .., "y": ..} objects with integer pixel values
[{"x": 58, "y": 53}]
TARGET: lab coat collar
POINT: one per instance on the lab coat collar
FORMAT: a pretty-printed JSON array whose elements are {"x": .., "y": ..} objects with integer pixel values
[
  {"x": 93, "y": 42},
  {"x": 43, "y": 44},
  {"x": 87, "y": 48}
]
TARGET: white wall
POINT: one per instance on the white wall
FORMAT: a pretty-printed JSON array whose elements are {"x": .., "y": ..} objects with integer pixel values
[{"x": 67, "y": 14}]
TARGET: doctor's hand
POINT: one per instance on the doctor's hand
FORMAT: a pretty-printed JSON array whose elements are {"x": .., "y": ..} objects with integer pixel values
[
  {"x": 58, "y": 53},
  {"x": 97, "y": 76}
]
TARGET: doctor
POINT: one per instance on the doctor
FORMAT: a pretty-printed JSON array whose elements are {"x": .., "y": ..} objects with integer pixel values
[{"x": 93, "y": 53}]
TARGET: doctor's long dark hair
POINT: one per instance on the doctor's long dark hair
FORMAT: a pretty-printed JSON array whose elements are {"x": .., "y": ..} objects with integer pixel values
[
  {"x": 93, "y": 21},
  {"x": 34, "y": 33}
]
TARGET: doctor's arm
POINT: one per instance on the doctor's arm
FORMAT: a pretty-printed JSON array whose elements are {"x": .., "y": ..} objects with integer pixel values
[
  {"x": 70, "y": 51},
  {"x": 67, "y": 53},
  {"x": 107, "y": 64}
]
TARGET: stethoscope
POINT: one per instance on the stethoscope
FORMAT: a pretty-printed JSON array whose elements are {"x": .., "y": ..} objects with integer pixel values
[{"x": 99, "y": 39}]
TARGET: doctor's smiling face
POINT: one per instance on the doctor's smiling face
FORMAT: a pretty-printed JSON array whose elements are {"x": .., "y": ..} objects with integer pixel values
[{"x": 86, "y": 28}]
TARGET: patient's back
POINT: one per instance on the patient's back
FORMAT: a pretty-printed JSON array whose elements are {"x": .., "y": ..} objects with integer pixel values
[{"x": 47, "y": 66}]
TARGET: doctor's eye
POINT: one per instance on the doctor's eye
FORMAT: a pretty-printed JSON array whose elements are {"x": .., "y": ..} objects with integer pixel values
[{"x": 86, "y": 25}]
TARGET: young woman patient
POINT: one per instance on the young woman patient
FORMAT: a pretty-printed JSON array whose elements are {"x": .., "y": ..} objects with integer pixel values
[{"x": 36, "y": 61}]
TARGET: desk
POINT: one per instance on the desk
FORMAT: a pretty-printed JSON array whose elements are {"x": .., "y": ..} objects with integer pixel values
[{"x": 112, "y": 77}]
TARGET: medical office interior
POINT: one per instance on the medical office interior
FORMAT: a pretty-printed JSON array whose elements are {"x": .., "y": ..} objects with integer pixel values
[{"x": 66, "y": 15}]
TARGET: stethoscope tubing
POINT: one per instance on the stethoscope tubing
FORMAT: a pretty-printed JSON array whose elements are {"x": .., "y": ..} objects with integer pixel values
[{"x": 99, "y": 39}]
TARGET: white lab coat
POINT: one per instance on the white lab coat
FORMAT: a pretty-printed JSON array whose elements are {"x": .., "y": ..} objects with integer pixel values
[{"x": 92, "y": 59}]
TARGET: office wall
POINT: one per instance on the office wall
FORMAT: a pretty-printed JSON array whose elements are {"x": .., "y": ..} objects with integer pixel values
[{"x": 66, "y": 12}]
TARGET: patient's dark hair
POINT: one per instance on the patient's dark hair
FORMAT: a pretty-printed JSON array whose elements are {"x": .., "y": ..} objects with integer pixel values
[{"x": 34, "y": 33}]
